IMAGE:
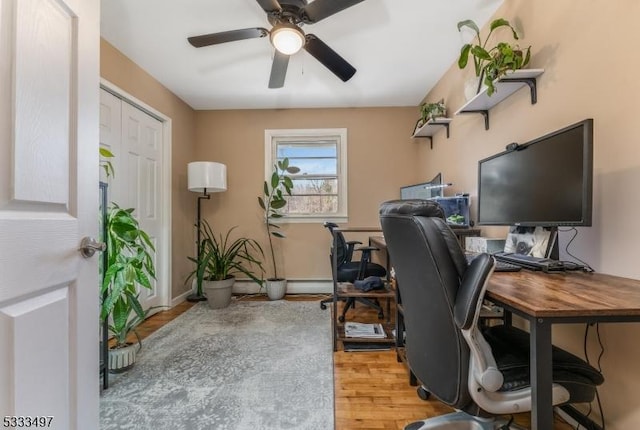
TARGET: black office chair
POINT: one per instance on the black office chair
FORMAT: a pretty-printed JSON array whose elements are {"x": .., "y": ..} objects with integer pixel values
[
  {"x": 350, "y": 271},
  {"x": 474, "y": 372}
]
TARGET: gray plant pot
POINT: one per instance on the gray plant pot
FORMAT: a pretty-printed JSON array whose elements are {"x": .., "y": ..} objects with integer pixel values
[
  {"x": 123, "y": 359},
  {"x": 218, "y": 292},
  {"x": 276, "y": 288}
]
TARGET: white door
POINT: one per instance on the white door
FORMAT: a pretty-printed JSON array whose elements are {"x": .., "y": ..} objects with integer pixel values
[
  {"x": 135, "y": 138},
  {"x": 49, "y": 57}
]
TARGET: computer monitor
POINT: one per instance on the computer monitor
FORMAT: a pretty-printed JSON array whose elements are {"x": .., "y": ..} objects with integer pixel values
[
  {"x": 546, "y": 182},
  {"x": 425, "y": 190}
]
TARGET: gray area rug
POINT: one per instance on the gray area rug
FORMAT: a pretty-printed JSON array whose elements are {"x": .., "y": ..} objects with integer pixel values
[{"x": 253, "y": 365}]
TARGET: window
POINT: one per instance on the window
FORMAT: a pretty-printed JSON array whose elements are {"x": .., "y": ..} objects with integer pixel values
[{"x": 320, "y": 188}]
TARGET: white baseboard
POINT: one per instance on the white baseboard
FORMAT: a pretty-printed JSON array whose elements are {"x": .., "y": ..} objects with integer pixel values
[
  {"x": 246, "y": 286},
  {"x": 181, "y": 298},
  {"x": 293, "y": 287}
]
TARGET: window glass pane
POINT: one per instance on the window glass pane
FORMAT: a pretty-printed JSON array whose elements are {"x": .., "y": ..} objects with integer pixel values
[
  {"x": 315, "y": 186},
  {"x": 315, "y": 166},
  {"x": 309, "y": 149},
  {"x": 312, "y": 205},
  {"x": 319, "y": 185}
]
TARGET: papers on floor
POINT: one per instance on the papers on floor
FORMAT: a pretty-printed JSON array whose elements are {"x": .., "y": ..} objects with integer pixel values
[{"x": 356, "y": 329}]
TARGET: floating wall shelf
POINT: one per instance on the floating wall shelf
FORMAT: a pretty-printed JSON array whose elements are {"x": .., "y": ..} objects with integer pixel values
[
  {"x": 505, "y": 86},
  {"x": 428, "y": 129}
]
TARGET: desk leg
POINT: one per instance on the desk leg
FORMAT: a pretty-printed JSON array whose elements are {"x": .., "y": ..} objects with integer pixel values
[{"x": 541, "y": 374}]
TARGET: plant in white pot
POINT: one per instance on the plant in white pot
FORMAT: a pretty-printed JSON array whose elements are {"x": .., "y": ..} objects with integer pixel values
[
  {"x": 272, "y": 202},
  {"x": 129, "y": 266},
  {"x": 491, "y": 63},
  {"x": 220, "y": 259}
]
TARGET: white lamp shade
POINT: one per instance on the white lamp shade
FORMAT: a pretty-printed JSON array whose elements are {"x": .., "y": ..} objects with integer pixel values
[{"x": 207, "y": 175}]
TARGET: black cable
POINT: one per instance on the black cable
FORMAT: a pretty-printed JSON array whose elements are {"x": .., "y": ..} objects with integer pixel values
[
  {"x": 601, "y": 347},
  {"x": 600, "y": 370},
  {"x": 586, "y": 357},
  {"x": 587, "y": 267}
]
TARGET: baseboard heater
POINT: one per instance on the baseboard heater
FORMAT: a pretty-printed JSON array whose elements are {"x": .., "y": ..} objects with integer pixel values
[{"x": 294, "y": 286}]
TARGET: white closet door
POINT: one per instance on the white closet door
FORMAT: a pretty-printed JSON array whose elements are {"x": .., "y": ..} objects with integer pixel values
[
  {"x": 111, "y": 134},
  {"x": 142, "y": 150},
  {"x": 135, "y": 139}
]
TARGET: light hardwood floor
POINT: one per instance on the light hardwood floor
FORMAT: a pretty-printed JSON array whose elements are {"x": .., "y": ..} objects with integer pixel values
[{"x": 372, "y": 389}]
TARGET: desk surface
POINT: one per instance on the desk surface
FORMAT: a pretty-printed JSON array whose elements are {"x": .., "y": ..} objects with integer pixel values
[
  {"x": 566, "y": 294},
  {"x": 562, "y": 294}
]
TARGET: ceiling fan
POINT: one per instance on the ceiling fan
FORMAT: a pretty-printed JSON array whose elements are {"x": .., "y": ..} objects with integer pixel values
[{"x": 287, "y": 17}]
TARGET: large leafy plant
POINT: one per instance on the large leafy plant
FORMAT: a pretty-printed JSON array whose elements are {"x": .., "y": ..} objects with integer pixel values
[
  {"x": 273, "y": 200},
  {"x": 220, "y": 257},
  {"x": 492, "y": 63},
  {"x": 129, "y": 266}
]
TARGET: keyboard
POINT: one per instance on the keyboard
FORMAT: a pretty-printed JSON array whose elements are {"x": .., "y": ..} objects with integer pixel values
[
  {"x": 529, "y": 262},
  {"x": 501, "y": 266}
]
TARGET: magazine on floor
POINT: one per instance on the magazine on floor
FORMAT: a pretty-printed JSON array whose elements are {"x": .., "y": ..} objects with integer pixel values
[{"x": 356, "y": 329}]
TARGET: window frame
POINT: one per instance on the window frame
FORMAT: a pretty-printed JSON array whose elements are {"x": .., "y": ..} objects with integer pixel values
[{"x": 271, "y": 137}]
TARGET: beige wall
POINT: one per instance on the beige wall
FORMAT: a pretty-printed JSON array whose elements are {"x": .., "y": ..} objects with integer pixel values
[
  {"x": 588, "y": 53},
  {"x": 119, "y": 70},
  {"x": 381, "y": 157}
]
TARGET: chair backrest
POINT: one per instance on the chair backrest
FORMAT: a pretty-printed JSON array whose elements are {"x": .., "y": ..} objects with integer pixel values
[
  {"x": 341, "y": 246},
  {"x": 429, "y": 265}
]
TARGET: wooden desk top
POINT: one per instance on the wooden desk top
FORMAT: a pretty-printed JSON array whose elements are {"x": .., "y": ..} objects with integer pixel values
[
  {"x": 562, "y": 294},
  {"x": 566, "y": 294}
]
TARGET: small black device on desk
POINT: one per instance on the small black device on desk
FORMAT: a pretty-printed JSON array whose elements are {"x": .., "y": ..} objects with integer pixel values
[{"x": 535, "y": 263}]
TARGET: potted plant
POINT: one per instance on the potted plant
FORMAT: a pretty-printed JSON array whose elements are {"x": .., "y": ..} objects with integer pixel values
[
  {"x": 220, "y": 259},
  {"x": 129, "y": 266},
  {"x": 492, "y": 63},
  {"x": 429, "y": 111},
  {"x": 271, "y": 202}
]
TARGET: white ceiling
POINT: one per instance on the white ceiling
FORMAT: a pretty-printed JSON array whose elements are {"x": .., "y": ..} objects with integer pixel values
[{"x": 400, "y": 49}]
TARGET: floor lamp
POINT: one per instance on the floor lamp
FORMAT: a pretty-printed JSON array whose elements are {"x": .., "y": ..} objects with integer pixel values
[{"x": 204, "y": 177}]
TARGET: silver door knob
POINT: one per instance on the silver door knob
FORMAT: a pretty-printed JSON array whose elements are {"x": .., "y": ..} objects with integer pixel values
[{"x": 89, "y": 246}]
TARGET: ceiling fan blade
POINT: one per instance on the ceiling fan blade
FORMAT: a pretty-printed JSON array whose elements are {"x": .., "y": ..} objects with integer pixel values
[
  {"x": 269, "y": 5},
  {"x": 320, "y": 9},
  {"x": 227, "y": 36},
  {"x": 278, "y": 70},
  {"x": 330, "y": 58}
]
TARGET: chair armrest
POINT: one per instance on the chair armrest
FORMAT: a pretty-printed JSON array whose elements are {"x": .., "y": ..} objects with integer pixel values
[
  {"x": 365, "y": 258},
  {"x": 467, "y": 312},
  {"x": 471, "y": 292},
  {"x": 351, "y": 244}
]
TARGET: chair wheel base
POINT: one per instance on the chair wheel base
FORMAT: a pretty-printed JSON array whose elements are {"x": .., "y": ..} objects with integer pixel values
[
  {"x": 341, "y": 318},
  {"x": 423, "y": 393},
  {"x": 323, "y": 306}
]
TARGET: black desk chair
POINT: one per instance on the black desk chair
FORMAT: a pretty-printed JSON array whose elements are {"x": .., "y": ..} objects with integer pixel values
[
  {"x": 474, "y": 372},
  {"x": 350, "y": 271}
]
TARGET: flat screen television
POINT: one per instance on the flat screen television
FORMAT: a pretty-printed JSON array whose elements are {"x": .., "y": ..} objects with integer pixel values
[
  {"x": 545, "y": 182},
  {"x": 425, "y": 190}
]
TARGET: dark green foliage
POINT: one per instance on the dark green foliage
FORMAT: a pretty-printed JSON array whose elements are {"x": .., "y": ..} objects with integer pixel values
[
  {"x": 492, "y": 63},
  {"x": 129, "y": 265},
  {"x": 221, "y": 257},
  {"x": 274, "y": 199}
]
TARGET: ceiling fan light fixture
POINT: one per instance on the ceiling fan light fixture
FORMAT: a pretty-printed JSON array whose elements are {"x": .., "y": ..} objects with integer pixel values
[{"x": 287, "y": 38}]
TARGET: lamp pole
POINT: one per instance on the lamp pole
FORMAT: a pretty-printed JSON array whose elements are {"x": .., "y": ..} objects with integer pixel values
[
  {"x": 204, "y": 177},
  {"x": 198, "y": 296}
]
